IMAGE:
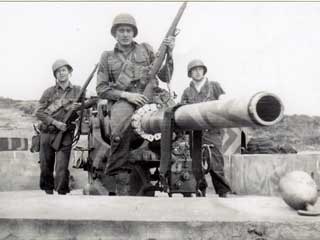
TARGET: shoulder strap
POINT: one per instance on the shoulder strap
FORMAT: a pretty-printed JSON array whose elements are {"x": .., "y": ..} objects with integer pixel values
[
  {"x": 63, "y": 95},
  {"x": 210, "y": 90},
  {"x": 111, "y": 77},
  {"x": 146, "y": 49}
]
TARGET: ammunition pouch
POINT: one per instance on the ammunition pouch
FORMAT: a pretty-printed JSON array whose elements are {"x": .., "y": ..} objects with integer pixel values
[
  {"x": 44, "y": 128},
  {"x": 124, "y": 79},
  {"x": 132, "y": 75},
  {"x": 35, "y": 140},
  {"x": 35, "y": 143}
]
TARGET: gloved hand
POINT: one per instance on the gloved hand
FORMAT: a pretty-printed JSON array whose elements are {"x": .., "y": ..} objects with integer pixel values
[
  {"x": 60, "y": 125},
  {"x": 135, "y": 98}
]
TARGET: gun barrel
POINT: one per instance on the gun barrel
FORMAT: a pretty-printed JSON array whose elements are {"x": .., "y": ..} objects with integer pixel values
[{"x": 262, "y": 109}]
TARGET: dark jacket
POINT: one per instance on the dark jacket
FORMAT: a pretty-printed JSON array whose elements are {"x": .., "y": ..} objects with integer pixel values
[{"x": 209, "y": 91}]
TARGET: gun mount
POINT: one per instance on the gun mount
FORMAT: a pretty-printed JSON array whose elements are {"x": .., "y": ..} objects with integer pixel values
[{"x": 159, "y": 162}]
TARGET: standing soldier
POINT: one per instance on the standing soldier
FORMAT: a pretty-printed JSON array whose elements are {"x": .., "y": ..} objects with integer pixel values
[
  {"x": 122, "y": 78},
  {"x": 53, "y": 104},
  {"x": 202, "y": 90}
]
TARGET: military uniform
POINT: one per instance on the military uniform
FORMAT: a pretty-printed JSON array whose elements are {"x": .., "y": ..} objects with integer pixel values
[
  {"x": 52, "y": 99},
  {"x": 120, "y": 72},
  {"x": 208, "y": 92}
]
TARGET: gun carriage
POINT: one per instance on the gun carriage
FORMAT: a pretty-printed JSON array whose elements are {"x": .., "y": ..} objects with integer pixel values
[{"x": 160, "y": 161}]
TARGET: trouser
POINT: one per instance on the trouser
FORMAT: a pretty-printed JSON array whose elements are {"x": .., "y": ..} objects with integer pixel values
[
  {"x": 58, "y": 160},
  {"x": 219, "y": 182},
  {"x": 121, "y": 135}
]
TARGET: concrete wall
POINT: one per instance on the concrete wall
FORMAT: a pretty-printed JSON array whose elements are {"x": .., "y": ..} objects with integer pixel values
[
  {"x": 20, "y": 170},
  {"x": 259, "y": 174}
]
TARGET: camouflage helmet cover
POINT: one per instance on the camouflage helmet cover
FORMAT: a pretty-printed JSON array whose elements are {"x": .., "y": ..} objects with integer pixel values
[
  {"x": 124, "y": 19},
  {"x": 196, "y": 63}
]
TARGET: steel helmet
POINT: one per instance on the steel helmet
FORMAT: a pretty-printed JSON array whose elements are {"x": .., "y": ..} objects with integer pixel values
[
  {"x": 196, "y": 63},
  {"x": 60, "y": 63},
  {"x": 124, "y": 18}
]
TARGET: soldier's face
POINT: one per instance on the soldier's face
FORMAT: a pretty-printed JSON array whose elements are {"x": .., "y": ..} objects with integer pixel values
[
  {"x": 124, "y": 35},
  {"x": 197, "y": 73},
  {"x": 63, "y": 74}
]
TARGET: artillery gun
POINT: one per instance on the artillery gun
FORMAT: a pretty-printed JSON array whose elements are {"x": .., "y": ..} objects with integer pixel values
[{"x": 160, "y": 162}]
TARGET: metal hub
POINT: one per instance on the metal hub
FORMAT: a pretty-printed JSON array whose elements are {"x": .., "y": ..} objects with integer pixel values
[{"x": 136, "y": 121}]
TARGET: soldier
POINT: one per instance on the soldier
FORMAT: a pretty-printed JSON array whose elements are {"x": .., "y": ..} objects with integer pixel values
[
  {"x": 122, "y": 78},
  {"x": 50, "y": 114},
  {"x": 201, "y": 90}
]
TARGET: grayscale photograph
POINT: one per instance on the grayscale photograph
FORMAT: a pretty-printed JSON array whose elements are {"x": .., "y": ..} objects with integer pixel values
[{"x": 159, "y": 120}]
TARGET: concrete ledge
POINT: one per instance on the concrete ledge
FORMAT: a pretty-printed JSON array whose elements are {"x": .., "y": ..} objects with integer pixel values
[
  {"x": 100, "y": 230},
  {"x": 34, "y": 215}
]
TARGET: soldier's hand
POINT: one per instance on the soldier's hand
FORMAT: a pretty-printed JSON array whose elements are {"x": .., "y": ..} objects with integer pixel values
[
  {"x": 60, "y": 125},
  {"x": 73, "y": 107},
  {"x": 169, "y": 42},
  {"x": 135, "y": 98}
]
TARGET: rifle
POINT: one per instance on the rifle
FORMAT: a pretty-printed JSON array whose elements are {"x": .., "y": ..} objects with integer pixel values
[
  {"x": 160, "y": 56},
  {"x": 70, "y": 116}
]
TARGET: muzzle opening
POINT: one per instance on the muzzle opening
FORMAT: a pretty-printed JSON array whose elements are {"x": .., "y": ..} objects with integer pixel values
[{"x": 268, "y": 108}]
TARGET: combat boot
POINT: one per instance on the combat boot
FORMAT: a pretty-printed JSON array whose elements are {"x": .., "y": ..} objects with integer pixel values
[
  {"x": 105, "y": 185},
  {"x": 122, "y": 184},
  {"x": 50, "y": 192},
  {"x": 109, "y": 182}
]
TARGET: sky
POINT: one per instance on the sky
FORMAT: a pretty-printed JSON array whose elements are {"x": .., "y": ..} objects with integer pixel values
[{"x": 247, "y": 46}]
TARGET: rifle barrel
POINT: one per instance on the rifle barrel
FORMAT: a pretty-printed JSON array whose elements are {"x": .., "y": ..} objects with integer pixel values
[{"x": 162, "y": 49}]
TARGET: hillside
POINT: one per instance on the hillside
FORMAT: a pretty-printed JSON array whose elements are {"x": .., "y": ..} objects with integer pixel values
[
  {"x": 27, "y": 107},
  {"x": 16, "y": 118},
  {"x": 302, "y": 131}
]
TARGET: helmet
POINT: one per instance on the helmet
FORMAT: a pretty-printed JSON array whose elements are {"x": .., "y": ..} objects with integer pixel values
[
  {"x": 60, "y": 63},
  {"x": 124, "y": 18},
  {"x": 196, "y": 63}
]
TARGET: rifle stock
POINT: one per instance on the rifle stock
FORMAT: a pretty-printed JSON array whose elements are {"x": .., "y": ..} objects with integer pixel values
[
  {"x": 58, "y": 139},
  {"x": 160, "y": 56}
]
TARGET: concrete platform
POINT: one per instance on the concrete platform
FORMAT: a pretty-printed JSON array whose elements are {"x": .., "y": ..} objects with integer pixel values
[{"x": 34, "y": 215}]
